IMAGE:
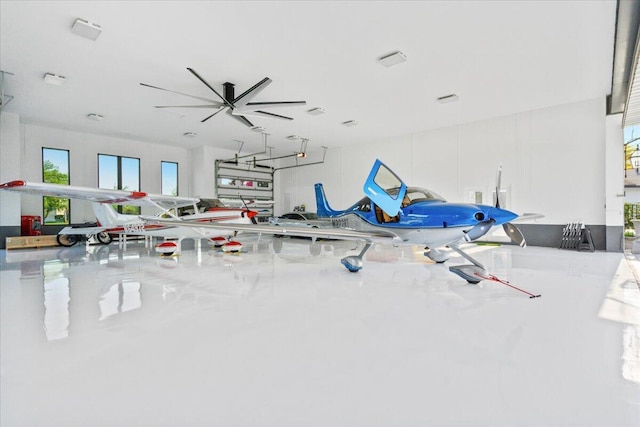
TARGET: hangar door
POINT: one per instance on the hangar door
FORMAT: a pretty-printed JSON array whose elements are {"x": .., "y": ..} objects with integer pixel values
[{"x": 236, "y": 181}]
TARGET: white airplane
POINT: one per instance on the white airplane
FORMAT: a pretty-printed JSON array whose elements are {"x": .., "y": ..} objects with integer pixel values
[{"x": 112, "y": 222}]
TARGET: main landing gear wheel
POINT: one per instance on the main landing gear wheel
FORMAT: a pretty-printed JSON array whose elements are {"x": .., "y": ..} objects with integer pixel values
[
  {"x": 67, "y": 240},
  {"x": 104, "y": 238}
]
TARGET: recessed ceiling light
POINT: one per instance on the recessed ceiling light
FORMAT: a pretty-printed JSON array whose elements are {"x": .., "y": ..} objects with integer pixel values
[
  {"x": 190, "y": 134},
  {"x": 86, "y": 29},
  {"x": 293, "y": 137},
  {"x": 54, "y": 79},
  {"x": 448, "y": 98},
  {"x": 258, "y": 129},
  {"x": 392, "y": 59},
  {"x": 350, "y": 123},
  {"x": 316, "y": 111},
  {"x": 96, "y": 117}
]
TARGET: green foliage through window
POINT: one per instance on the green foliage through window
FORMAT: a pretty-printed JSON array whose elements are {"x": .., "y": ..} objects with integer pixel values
[{"x": 55, "y": 170}]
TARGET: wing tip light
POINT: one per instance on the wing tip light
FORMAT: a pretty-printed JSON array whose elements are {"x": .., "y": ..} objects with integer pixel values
[{"x": 11, "y": 184}]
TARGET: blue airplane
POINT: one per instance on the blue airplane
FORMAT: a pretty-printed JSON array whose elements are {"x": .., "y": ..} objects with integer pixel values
[{"x": 393, "y": 213}]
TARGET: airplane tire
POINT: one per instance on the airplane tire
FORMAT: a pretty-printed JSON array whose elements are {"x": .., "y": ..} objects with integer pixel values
[
  {"x": 67, "y": 240},
  {"x": 104, "y": 238}
]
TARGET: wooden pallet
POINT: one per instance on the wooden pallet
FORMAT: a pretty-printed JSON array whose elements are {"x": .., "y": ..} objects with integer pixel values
[{"x": 23, "y": 242}]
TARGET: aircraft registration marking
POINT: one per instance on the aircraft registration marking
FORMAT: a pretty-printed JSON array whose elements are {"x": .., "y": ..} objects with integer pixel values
[{"x": 137, "y": 227}]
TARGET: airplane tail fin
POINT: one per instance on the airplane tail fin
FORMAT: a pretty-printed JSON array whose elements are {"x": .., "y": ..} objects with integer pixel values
[
  {"x": 107, "y": 216},
  {"x": 324, "y": 210}
]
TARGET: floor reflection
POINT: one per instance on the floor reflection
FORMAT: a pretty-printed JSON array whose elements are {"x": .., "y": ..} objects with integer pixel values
[{"x": 284, "y": 327}]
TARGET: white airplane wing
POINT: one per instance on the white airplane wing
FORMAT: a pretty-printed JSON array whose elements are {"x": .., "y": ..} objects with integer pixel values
[
  {"x": 326, "y": 233},
  {"x": 99, "y": 195}
]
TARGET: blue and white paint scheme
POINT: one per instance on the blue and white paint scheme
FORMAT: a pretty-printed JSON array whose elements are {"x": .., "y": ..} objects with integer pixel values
[{"x": 394, "y": 213}]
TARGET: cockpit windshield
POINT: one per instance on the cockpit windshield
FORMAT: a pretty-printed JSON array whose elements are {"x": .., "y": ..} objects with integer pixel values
[{"x": 417, "y": 194}]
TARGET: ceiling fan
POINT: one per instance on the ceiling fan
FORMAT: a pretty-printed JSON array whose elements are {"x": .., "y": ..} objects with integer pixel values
[{"x": 236, "y": 107}]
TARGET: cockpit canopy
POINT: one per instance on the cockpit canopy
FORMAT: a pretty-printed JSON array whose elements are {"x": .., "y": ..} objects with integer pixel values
[
  {"x": 413, "y": 195},
  {"x": 417, "y": 194}
]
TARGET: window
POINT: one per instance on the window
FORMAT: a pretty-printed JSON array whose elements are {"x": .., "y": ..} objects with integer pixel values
[
  {"x": 55, "y": 170},
  {"x": 169, "y": 172},
  {"x": 120, "y": 173},
  {"x": 632, "y": 156}
]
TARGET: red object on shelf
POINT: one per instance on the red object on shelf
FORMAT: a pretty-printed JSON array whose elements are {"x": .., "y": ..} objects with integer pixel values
[{"x": 30, "y": 225}]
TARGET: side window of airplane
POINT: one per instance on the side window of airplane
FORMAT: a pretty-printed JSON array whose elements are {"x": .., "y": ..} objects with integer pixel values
[{"x": 364, "y": 205}]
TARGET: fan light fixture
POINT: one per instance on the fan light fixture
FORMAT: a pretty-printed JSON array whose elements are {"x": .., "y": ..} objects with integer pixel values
[
  {"x": 54, "y": 79},
  {"x": 96, "y": 117},
  {"x": 448, "y": 98},
  {"x": 393, "y": 59},
  {"x": 350, "y": 123},
  {"x": 316, "y": 111},
  {"x": 190, "y": 134},
  {"x": 86, "y": 29},
  {"x": 258, "y": 129}
]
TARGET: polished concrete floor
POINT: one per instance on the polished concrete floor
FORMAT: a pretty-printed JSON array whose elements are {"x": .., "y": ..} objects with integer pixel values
[{"x": 277, "y": 336}]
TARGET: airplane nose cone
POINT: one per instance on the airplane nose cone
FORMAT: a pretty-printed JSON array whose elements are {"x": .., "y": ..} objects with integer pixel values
[{"x": 501, "y": 216}]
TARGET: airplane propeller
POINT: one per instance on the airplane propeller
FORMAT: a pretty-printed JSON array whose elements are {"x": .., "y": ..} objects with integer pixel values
[
  {"x": 252, "y": 217},
  {"x": 511, "y": 230}
]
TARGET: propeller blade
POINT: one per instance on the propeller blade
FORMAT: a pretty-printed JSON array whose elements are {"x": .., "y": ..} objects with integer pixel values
[
  {"x": 498, "y": 180},
  {"x": 208, "y": 117},
  {"x": 226, "y": 102},
  {"x": 479, "y": 230},
  {"x": 179, "y": 93},
  {"x": 241, "y": 119},
  {"x": 261, "y": 114},
  {"x": 216, "y": 105},
  {"x": 249, "y": 94},
  {"x": 514, "y": 234},
  {"x": 249, "y": 212}
]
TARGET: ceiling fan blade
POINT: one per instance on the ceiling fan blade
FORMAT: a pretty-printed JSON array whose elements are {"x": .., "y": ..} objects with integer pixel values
[
  {"x": 262, "y": 114},
  {"x": 241, "y": 119},
  {"x": 253, "y": 106},
  {"x": 215, "y": 105},
  {"x": 192, "y": 71},
  {"x": 248, "y": 95},
  {"x": 179, "y": 93},
  {"x": 208, "y": 117},
  {"x": 514, "y": 234}
]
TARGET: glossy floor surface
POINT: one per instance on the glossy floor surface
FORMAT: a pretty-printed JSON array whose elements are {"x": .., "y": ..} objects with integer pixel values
[{"x": 277, "y": 336}]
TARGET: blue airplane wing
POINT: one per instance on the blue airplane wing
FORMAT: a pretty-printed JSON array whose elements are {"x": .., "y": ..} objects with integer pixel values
[{"x": 384, "y": 188}]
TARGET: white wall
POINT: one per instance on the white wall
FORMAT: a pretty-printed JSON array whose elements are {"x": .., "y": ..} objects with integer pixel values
[
  {"x": 614, "y": 171},
  {"x": 84, "y": 149},
  {"x": 10, "y": 167},
  {"x": 553, "y": 163}
]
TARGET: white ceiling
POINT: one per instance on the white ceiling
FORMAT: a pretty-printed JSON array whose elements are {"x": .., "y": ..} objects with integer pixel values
[{"x": 498, "y": 57}]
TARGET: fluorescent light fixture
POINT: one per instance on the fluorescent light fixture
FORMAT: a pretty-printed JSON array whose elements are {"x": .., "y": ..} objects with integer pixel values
[
  {"x": 190, "y": 134},
  {"x": 448, "y": 98},
  {"x": 258, "y": 129},
  {"x": 54, "y": 79},
  {"x": 96, "y": 117},
  {"x": 293, "y": 137},
  {"x": 316, "y": 111},
  {"x": 86, "y": 29},
  {"x": 393, "y": 59},
  {"x": 350, "y": 123}
]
